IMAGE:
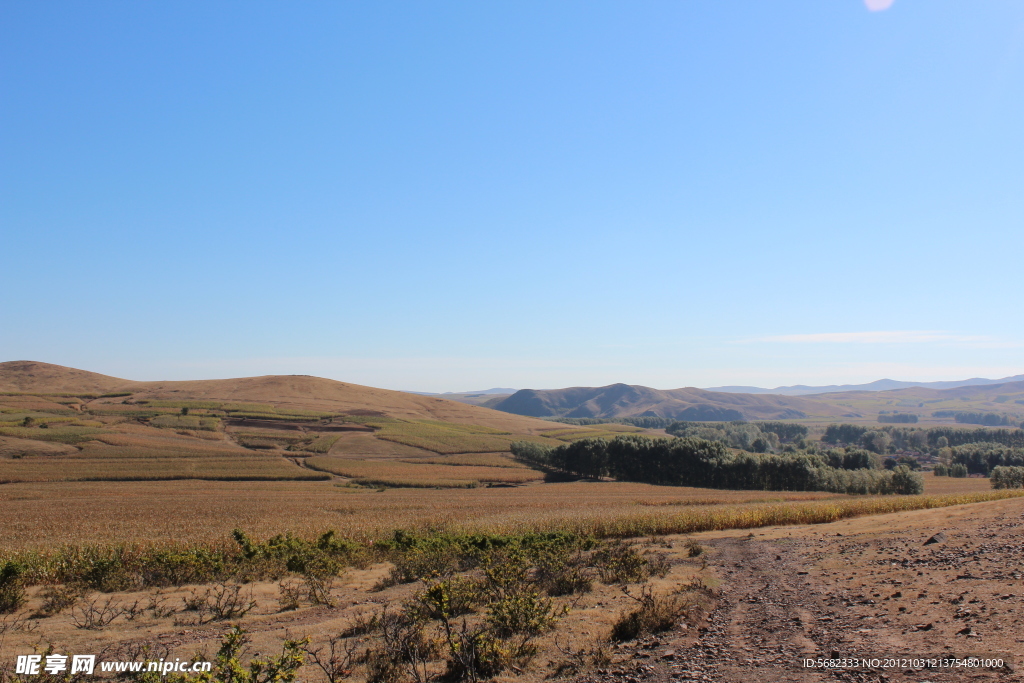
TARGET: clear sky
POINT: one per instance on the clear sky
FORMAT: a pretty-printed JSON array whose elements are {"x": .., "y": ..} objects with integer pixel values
[{"x": 444, "y": 196}]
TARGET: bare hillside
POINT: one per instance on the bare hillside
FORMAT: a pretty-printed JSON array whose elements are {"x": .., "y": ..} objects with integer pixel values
[{"x": 292, "y": 391}]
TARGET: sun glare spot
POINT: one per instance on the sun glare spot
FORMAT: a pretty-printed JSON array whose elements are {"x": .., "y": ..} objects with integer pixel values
[{"x": 878, "y": 5}]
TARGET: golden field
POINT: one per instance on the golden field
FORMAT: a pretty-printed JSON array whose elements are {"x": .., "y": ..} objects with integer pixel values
[{"x": 40, "y": 515}]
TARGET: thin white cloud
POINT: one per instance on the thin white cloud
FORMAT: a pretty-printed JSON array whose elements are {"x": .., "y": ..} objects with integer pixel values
[
  {"x": 878, "y": 5},
  {"x": 878, "y": 337}
]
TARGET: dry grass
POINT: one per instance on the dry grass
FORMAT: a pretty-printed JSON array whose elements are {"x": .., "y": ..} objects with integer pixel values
[
  {"x": 444, "y": 438},
  {"x": 945, "y": 485},
  {"x": 471, "y": 459},
  {"x": 381, "y": 470},
  {"x": 186, "y": 422},
  {"x": 68, "y": 435},
  {"x": 61, "y": 469}
]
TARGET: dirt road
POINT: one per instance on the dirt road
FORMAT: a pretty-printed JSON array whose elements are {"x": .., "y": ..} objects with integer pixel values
[{"x": 874, "y": 590}]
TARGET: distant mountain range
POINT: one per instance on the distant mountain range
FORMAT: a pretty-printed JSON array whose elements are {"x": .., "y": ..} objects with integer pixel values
[
  {"x": 1005, "y": 397},
  {"x": 879, "y": 385},
  {"x": 625, "y": 400}
]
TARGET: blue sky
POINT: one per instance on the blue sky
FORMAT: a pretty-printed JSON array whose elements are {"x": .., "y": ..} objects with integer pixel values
[{"x": 457, "y": 195}]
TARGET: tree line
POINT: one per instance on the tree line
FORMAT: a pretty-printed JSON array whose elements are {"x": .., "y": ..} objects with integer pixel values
[
  {"x": 692, "y": 461},
  {"x": 890, "y": 438},
  {"x": 976, "y": 418},
  {"x": 982, "y": 458},
  {"x": 897, "y": 418}
]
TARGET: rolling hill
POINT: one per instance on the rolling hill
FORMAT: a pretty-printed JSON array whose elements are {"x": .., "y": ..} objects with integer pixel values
[
  {"x": 65, "y": 424},
  {"x": 625, "y": 400},
  {"x": 299, "y": 392}
]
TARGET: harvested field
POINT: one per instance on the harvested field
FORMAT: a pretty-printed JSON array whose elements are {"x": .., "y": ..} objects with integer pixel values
[
  {"x": 53, "y": 469},
  {"x": 472, "y": 459},
  {"x": 207, "y": 511},
  {"x": 444, "y": 438},
  {"x": 380, "y": 471}
]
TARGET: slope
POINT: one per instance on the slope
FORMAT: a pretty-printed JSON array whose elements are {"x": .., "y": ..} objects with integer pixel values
[
  {"x": 624, "y": 400},
  {"x": 299, "y": 392}
]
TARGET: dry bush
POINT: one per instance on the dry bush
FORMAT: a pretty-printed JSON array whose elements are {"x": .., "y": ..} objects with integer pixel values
[
  {"x": 158, "y": 606},
  {"x": 58, "y": 598},
  {"x": 92, "y": 614},
  {"x": 220, "y": 602},
  {"x": 362, "y": 624},
  {"x": 336, "y": 658},
  {"x": 576, "y": 660},
  {"x": 290, "y": 594},
  {"x": 404, "y": 649},
  {"x": 655, "y": 614}
]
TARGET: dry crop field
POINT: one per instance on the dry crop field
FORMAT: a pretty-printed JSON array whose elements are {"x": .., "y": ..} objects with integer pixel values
[{"x": 43, "y": 515}]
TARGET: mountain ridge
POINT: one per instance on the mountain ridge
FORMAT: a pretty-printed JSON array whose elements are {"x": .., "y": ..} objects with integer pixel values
[{"x": 877, "y": 385}]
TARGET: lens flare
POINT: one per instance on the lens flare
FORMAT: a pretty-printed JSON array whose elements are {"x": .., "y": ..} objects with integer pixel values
[{"x": 878, "y": 5}]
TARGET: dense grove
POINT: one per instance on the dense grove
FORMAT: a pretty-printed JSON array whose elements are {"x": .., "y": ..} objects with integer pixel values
[
  {"x": 756, "y": 437},
  {"x": 692, "y": 461},
  {"x": 982, "y": 458}
]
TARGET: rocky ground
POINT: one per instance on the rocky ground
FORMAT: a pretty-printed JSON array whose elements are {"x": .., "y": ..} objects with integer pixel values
[{"x": 873, "y": 588}]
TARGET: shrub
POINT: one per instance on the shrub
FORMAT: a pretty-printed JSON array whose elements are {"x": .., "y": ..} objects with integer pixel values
[
  {"x": 694, "y": 548},
  {"x": 521, "y": 613},
  {"x": 227, "y": 666},
  {"x": 561, "y": 571},
  {"x": 477, "y": 653},
  {"x": 451, "y": 597},
  {"x": 653, "y": 614},
  {"x": 618, "y": 562},
  {"x": 12, "y": 587}
]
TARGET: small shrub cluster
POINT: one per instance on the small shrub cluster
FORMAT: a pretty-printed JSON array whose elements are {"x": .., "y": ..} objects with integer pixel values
[
  {"x": 220, "y": 602},
  {"x": 654, "y": 614}
]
